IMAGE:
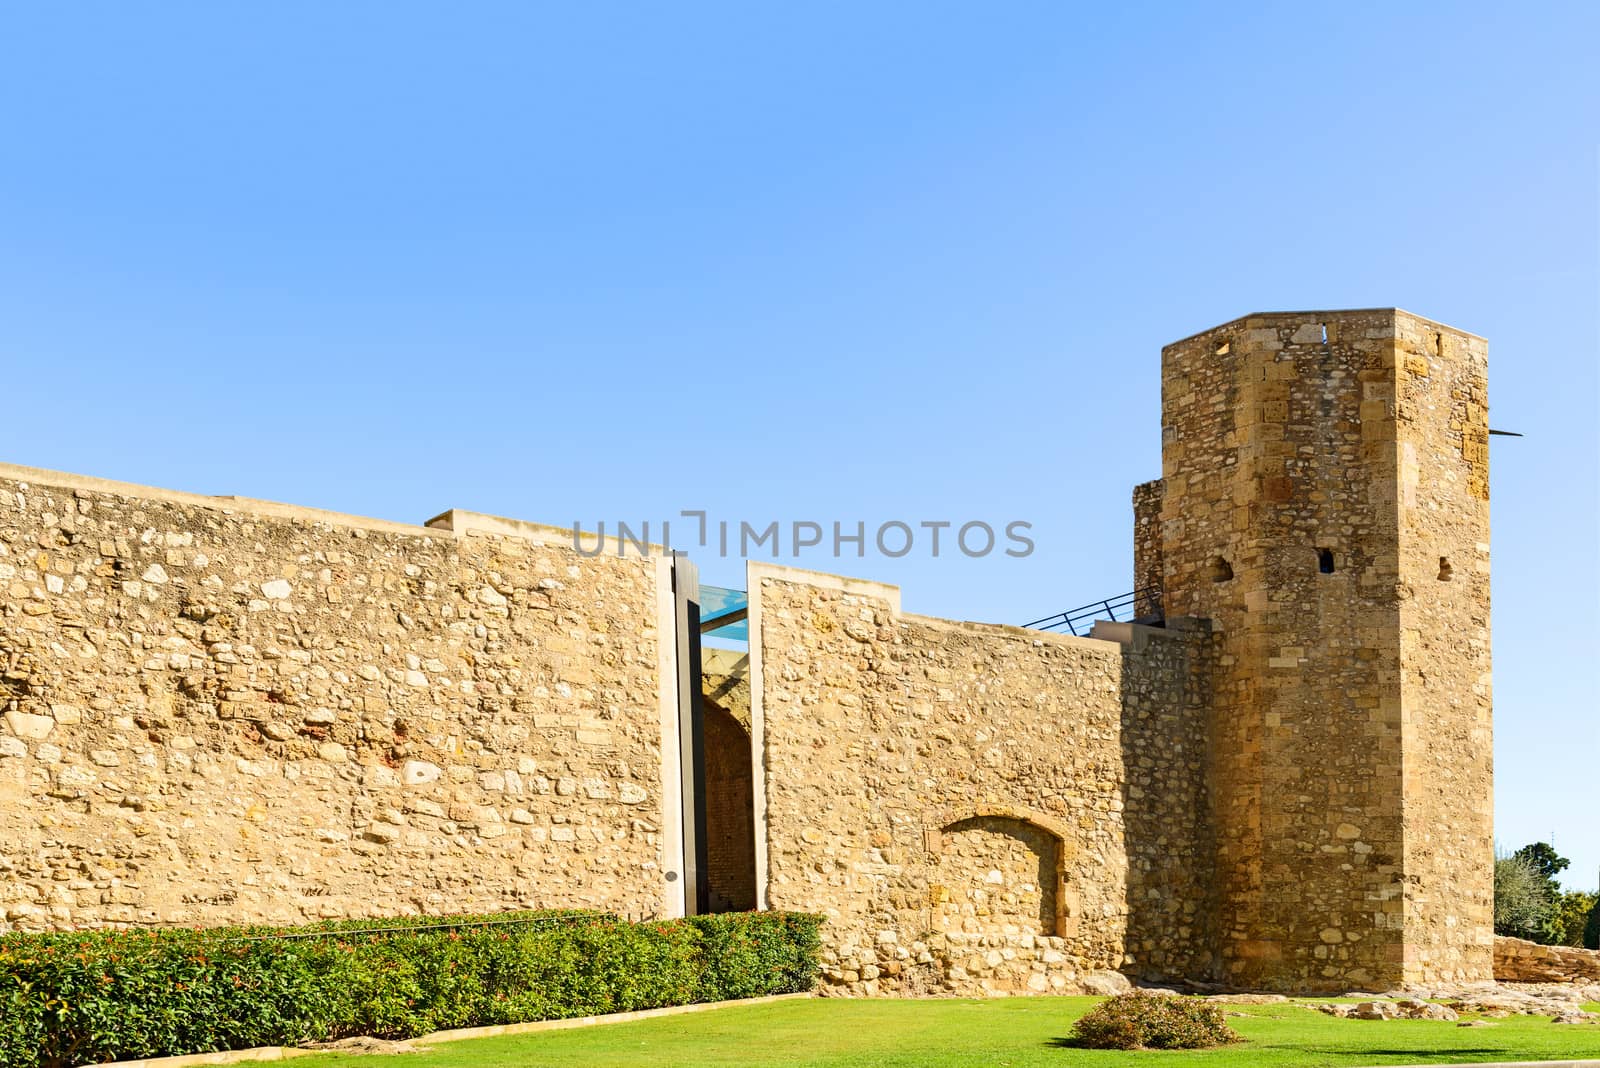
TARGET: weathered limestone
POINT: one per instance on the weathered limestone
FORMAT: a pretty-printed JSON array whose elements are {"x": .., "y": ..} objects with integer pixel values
[
  {"x": 730, "y": 830},
  {"x": 216, "y": 711},
  {"x": 1519, "y": 961},
  {"x": 1147, "y": 559},
  {"x": 979, "y": 809},
  {"x": 1324, "y": 503},
  {"x": 220, "y": 711}
]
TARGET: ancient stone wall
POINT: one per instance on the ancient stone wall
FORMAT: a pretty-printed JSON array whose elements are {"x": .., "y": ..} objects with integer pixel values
[
  {"x": 957, "y": 798},
  {"x": 220, "y": 711},
  {"x": 1169, "y": 817},
  {"x": 729, "y": 780},
  {"x": 730, "y": 833},
  {"x": 1441, "y": 412},
  {"x": 1282, "y": 523},
  {"x": 1147, "y": 563},
  {"x": 1519, "y": 961}
]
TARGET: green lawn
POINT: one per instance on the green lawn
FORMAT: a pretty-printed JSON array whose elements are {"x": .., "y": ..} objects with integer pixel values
[{"x": 1020, "y": 1032}]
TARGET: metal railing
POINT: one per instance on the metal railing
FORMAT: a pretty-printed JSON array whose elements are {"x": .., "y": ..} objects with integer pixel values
[
  {"x": 537, "y": 921},
  {"x": 1080, "y": 621}
]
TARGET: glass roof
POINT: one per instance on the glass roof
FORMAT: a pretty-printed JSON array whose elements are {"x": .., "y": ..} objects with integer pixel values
[{"x": 719, "y": 601}]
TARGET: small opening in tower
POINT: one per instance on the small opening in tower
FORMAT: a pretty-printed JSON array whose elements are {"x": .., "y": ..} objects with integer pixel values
[
  {"x": 1222, "y": 348},
  {"x": 1221, "y": 570},
  {"x": 1324, "y": 333},
  {"x": 1325, "y": 561},
  {"x": 1444, "y": 569}
]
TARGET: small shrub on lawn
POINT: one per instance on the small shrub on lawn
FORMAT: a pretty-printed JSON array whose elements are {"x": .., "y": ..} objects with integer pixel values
[
  {"x": 1149, "y": 1021},
  {"x": 83, "y": 997}
]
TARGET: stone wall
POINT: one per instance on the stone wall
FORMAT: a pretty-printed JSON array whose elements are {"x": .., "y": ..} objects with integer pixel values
[
  {"x": 1286, "y": 520},
  {"x": 729, "y": 780},
  {"x": 1441, "y": 415},
  {"x": 221, "y": 711},
  {"x": 218, "y": 711},
  {"x": 725, "y": 681},
  {"x": 1169, "y": 817},
  {"x": 730, "y": 834},
  {"x": 1147, "y": 563},
  {"x": 1520, "y": 961},
  {"x": 957, "y": 798}
]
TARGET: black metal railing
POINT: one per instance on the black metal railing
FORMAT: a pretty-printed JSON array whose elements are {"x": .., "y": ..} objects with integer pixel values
[
  {"x": 1080, "y": 621},
  {"x": 361, "y": 930}
]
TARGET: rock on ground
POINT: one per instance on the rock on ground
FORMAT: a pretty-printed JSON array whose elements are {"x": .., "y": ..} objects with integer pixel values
[{"x": 365, "y": 1044}]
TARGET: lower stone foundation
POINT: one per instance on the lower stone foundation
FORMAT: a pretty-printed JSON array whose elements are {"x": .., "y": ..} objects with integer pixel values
[
  {"x": 986, "y": 965},
  {"x": 965, "y": 965}
]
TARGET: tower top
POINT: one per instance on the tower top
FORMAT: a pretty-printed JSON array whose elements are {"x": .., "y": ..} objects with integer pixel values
[{"x": 1328, "y": 313}]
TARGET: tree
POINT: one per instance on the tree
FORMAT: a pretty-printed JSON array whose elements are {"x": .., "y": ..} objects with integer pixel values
[
  {"x": 1572, "y": 912},
  {"x": 1544, "y": 859},
  {"x": 1591, "y": 930},
  {"x": 1522, "y": 908},
  {"x": 1541, "y": 859}
]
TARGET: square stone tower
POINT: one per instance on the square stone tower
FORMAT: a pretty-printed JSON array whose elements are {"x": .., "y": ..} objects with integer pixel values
[{"x": 1324, "y": 501}]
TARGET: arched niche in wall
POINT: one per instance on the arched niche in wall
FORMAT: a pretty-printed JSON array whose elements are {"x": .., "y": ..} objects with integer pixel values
[{"x": 999, "y": 869}]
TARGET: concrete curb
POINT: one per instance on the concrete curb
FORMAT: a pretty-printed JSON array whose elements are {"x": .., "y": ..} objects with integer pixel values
[
  {"x": 227, "y": 1056},
  {"x": 278, "y": 1053}
]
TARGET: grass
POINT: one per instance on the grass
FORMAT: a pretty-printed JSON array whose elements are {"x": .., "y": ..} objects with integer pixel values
[{"x": 1019, "y": 1032}]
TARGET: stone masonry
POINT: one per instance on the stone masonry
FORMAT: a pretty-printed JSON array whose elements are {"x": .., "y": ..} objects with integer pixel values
[
  {"x": 220, "y": 711},
  {"x": 1324, "y": 503},
  {"x": 1520, "y": 961},
  {"x": 215, "y": 710},
  {"x": 980, "y": 809},
  {"x": 730, "y": 826}
]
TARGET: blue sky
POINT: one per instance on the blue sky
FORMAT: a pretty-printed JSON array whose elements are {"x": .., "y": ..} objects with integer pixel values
[{"x": 804, "y": 262}]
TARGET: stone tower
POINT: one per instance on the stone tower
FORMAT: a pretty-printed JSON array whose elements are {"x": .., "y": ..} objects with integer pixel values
[{"x": 1324, "y": 502}]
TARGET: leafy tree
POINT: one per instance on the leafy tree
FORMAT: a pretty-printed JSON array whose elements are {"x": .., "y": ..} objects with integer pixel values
[
  {"x": 1591, "y": 930},
  {"x": 1522, "y": 907},
  {"x": 1544, "y": 860},
  {"x": 1572, "y": 912},
  {"x": 1564, "y": 920}
]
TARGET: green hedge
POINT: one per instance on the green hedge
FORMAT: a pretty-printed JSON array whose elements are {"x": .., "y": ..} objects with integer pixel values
[{"x": 91, "y": 996}]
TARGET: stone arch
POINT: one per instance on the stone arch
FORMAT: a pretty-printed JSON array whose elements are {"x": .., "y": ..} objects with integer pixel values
[{"x": 1005, "y": 846}]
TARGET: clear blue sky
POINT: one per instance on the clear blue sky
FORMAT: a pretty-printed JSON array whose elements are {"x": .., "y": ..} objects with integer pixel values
[{"x": 820, "y": 261}]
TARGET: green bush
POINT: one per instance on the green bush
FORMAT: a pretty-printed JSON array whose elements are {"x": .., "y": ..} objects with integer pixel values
[
  {"x": 747, "y": 954},
  {"x": 83, "y": 997},
  {"x": 1148, "y": 1021},
  {"x": 1572, "y": 911}
]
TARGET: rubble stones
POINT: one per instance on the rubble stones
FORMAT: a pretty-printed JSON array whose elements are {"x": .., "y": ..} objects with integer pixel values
[{"x": 1517, "y": 959}]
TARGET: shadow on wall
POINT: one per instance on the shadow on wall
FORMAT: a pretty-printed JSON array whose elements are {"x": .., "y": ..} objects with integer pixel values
[
  {"x": 1167, "y": 810},
  {"x": 730, "y": 811}
]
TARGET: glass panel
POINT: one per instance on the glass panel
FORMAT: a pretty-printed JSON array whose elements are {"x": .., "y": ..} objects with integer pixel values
[{"x": 718, "y": 601}]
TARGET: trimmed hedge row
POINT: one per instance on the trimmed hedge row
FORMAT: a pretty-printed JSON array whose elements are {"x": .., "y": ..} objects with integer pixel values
[{"x": 92, "y": 996}]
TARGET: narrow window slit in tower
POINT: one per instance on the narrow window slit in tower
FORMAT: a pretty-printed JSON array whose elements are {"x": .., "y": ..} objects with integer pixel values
[
  {"x": 1221, "y": 570},
  {"x": 1324, "y": 333},
  {"x": 1325, "y": 561},
  {"x": 1444, "y": 569}
]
